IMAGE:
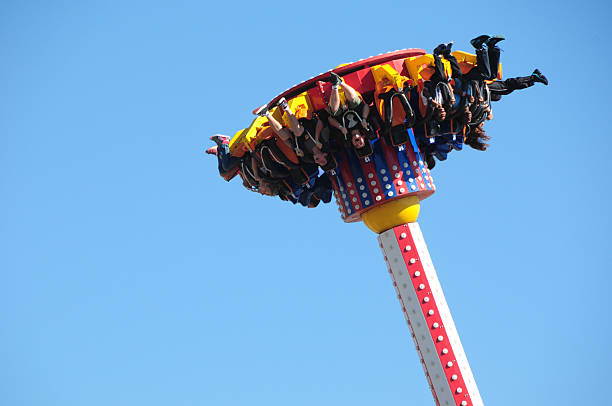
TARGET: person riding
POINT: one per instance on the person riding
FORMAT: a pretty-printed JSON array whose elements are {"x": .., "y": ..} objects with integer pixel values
[
  {"x": 309, "y": 138},
  {"x": 350, "y": 119}
]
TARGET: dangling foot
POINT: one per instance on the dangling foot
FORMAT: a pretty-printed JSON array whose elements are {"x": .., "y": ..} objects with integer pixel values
[
  {"x": 479, "y": 41},
  {"x": 220, "y": 139},
  {"x": 431, "y": 162},
  {"x": 212, "y": 151},
  {"x": 282, "y": 103},
  {"x": 439, "y": 49},
  {"x": 447, "y": 49},
  {"x": 262, "y": 111},
  {"x": 335, "y": 79},
  {"x": 491, "y": 42},
  {"x": 539, "y": 77}
]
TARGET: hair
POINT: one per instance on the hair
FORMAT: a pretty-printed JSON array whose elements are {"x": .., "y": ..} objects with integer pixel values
[{"x": 476, "y": 138}]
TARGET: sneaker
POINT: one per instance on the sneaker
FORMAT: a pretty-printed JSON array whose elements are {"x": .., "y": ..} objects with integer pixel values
[
  {"x": 431, "y": 162},
  {"x": 261, "y": 112},
  {"x": 220, "y": 139},
  {"x": 491, "y": 42},
  {"x": 447, "y": 48},
  {"x": 282, "y": 103},
  {"x": 479, "y": 41},
  {"x": 439, "y": 49},
  {"x": 335, "y": 79},
  {"x": 212, "y": 151},
  {"x": 539, "y": 77}
]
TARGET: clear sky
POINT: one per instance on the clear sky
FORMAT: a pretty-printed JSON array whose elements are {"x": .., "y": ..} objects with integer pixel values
[{"x": 131, "y": 274}]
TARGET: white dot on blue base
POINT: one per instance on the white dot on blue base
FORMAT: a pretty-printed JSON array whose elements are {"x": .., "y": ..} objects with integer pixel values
[
  {"x": 383, "y": 171},
  {"x": 390, "y": 194}
]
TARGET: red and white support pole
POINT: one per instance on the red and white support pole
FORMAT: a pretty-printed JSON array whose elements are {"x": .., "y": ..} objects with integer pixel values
[{"x": 433, "y": 330}]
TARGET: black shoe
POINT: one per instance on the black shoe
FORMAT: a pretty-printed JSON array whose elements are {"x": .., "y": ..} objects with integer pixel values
[
  {"x": 335, "y": 79},
  {"x": 447, "y": 48},
  {"x": 261, "y": 112},
  {"x": 538, "y": 77},
  {"x": 479, "y": 41},
  {"x": 431, "y": 162},
  {"x": 439, "y": 49},
  {"x": 491, "y": 42}
]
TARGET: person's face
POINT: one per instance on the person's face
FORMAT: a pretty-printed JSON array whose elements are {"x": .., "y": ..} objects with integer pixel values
[
  {"x": 264, "y": 189},
  {"x": 319, "y": 157},
  {"x": 357, "y": 140},
  {"x": 441, "y": 115}
]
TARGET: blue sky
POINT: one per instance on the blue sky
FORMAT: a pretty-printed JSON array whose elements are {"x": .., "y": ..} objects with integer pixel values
[{"x": 130, "y": 273}]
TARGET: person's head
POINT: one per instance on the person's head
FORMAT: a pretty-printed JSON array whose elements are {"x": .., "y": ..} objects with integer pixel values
[
  {"x": 319, "y": 156},
  {"x": 268, "y": 189},
  {"x": 476, "y": 138},
  {"x": 357, "y": 139}
]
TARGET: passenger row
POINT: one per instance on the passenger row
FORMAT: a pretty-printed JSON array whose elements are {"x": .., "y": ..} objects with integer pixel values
[{"x": 444, "y": 111}]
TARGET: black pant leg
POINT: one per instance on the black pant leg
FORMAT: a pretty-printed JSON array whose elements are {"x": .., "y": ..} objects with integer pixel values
[
  {"x": 455, "y": 68},
  {"x": 482, "y": 70},
  {"x": 494, "y": 56},
  {"x": 504, "y": 87},
  {"x": 438, "y": 75}
]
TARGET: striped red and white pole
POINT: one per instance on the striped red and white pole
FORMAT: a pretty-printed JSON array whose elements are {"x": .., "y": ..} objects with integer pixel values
[{"x": 433, "y": 330}]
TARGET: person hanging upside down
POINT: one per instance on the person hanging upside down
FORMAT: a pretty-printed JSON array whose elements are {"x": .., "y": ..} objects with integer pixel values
[
  {"x": 248, "y": 167},
  {"x": 308, "y": 138},
  {"x": 350, "y": 119},
  {"x": 227, "y": 163},
  {"x": 501, "y": 88}
]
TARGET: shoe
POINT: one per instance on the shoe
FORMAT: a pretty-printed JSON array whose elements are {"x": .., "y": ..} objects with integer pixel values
[
  {"x": 220, "y": 139},
  {"x": 479, "y": 41},
  {"x": 491, "y": 42},
  {"x": 431, "y": 162},
  {"x": 282, "y": 103},
  {"x": 447, "y": 48},
  {"x": 212, "y": 151},
  {"x": 335, "y": 79},
  {"x": 439, "y": 49},
  {"x": 538, "y": 77},
  {"x": 261, "y": 112}
]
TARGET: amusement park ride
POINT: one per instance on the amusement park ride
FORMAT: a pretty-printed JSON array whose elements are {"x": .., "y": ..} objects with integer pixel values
[{"x": 384, "y": 190}]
